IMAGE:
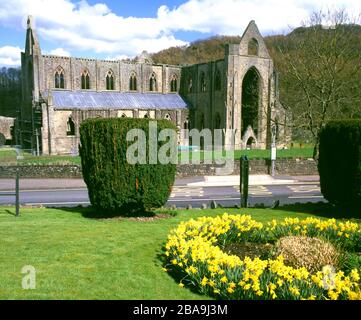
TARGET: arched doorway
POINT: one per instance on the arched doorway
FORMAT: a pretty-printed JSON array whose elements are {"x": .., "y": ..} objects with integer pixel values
[
  {"x": 70, "y": 128},
  {"x": 251, "y": 143},
  {"x": 251, "y": 100}
]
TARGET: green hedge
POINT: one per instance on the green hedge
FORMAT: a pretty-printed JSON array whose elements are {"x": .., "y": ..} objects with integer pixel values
[
  {"x": 113, "y": 184},
  {"x": 340, "y": 162}
]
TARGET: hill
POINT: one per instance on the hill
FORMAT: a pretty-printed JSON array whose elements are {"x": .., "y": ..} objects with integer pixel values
[
  {"x": 319, "y": 68},
  {"x": 213, "y": 48},
  {"x": 197, "y": 52}
]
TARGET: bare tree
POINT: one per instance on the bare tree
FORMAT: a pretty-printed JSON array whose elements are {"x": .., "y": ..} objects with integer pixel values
[{"x": 321, "y": 71}]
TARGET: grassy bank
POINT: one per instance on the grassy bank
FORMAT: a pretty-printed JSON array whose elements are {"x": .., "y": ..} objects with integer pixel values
[
  {"x": 9, "y": 156},
  {"x": 80, "y": 257}
]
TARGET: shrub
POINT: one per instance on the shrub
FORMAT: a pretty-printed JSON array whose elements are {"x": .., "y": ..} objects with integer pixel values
[
  {"x": 340, "y": 162},
  {"x": 114, "y": 185},
  {"x": 311, "y": 253}
]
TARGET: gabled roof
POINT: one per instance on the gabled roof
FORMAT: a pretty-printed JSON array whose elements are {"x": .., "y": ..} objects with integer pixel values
[
  {"x": 252, "y": 28},
  {"x": 85, "y": 100},
  {"x": 252, "y": 32}
]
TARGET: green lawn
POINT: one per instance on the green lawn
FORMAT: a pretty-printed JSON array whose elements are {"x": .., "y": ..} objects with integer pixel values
[
  {"x": 78, "y": 257},
  {"x": 60, "y": 160},
  {"x": 7, "y": 156}
]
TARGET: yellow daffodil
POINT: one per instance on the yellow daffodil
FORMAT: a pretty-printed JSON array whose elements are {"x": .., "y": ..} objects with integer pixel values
[
  {"x": 195, "y": 247},
  {"x": 224, "y": 280}
]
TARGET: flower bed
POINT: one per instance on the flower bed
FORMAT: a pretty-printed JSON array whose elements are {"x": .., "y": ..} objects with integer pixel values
[{"x": 195, "y": 250}]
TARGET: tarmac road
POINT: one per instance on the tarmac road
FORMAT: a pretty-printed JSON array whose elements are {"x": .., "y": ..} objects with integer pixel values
[{"x": 193, "y": 191}]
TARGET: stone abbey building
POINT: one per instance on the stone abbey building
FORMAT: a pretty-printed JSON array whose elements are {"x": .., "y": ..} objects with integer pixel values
[{"x": 238, "y": 92}]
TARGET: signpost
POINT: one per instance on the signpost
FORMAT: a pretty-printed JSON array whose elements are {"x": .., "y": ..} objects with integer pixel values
[
  {"x": 244, "y": 181},
  {"x": 273, "y": 151},
  {"x": 17, "y": 198}
]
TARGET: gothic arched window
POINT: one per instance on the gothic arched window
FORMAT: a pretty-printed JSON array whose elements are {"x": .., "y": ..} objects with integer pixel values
[
  {"x": 110, "y": 80},
  {"x": 85, "y": 80},
  {"x": 201, "y": 121},
  {"x": 203, "y": 85},
  {"x": 133, "y": 82},
  {"x": 277, "y": 129},
  {"x": 190, "y": 85},
  {"x": 217, "y": 121},
  {"x": 153, "y": 83},
  {"x": 174, "y": 84},
  {"x": 253, "y": 47},
  {"x": 218, "y": 81},
  {"x": 70, "y": 127},
  {"x": 59, "y": 78}
]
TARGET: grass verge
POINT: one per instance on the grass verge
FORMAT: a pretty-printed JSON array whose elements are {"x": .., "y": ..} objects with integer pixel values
[{"x": 79, "y": 257}]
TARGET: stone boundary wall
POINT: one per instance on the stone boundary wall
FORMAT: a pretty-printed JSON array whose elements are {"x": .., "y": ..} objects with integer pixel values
[{"x": 292, "y": 167}]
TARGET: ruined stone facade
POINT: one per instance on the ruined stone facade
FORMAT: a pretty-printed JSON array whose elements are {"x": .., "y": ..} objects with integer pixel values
[
  {"x": 238, "y": 92},
  {"x": 201, "y": 96},
  {"x": 7, "y": 127}
]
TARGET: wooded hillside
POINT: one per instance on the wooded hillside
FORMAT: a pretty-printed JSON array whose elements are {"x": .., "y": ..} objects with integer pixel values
[
  {"x": 10, "y": 91},
  {"x": 327, "y": 59}
]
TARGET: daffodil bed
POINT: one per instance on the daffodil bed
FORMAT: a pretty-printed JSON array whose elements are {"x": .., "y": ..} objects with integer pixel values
[{"x": 194, "y": 251}]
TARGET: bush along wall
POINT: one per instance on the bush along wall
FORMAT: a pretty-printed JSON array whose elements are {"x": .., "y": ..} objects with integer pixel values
[
  {"x": 340, "y": 162},
  {"x": 115, "y": 185}
]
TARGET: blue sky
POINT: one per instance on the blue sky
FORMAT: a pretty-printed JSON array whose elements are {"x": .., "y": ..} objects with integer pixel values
[{"x": 118, "y": 29}]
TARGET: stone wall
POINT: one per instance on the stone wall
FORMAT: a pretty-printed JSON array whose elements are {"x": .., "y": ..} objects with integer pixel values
[
  {"x": 5, "y": 127},
  {"x": 98, "y": 70},
  {"x": 292, "y": 167},
  {"x": 61, "y": 143},
  {"x": 42, "y": 171}
]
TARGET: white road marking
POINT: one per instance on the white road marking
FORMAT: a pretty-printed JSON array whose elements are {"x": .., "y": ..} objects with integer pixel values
[
  {"x": 304, "y": 189},
  {"x": 257, "y": 191},
  {"x": 263, "y": 196},
  {"x": 187, "y": 192},
  {"x": 45, "y": 190},
  {"x": 55, "y": 203},
  {"x": 306, "y": 197},
  {"x": 195, "y": 200}
]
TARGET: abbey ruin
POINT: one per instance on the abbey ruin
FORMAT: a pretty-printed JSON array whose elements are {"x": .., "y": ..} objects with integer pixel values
[{"x": 238, "y": 92}]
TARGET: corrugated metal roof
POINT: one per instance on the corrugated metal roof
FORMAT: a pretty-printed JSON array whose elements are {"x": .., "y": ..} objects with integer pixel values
[{"x": 115, "y": 100}]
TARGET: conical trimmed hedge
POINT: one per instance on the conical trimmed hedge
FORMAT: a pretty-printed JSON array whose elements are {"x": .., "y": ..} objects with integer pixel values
[
  {"x": 339, "y": 162},
  {"x": 114, "y": 185}
]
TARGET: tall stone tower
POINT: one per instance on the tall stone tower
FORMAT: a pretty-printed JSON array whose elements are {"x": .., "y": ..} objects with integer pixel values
[{"x": 30, "y": 67}]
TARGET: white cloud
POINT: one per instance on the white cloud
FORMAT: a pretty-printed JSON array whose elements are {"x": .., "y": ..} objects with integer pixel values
[
  {"x": 10, "y": 56},
  {"x": 118, "y": 57},
  {"x": 230, "y": 17},
  {"x": 60, "y": 52},
  {"x": 84, "y": 27}
]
